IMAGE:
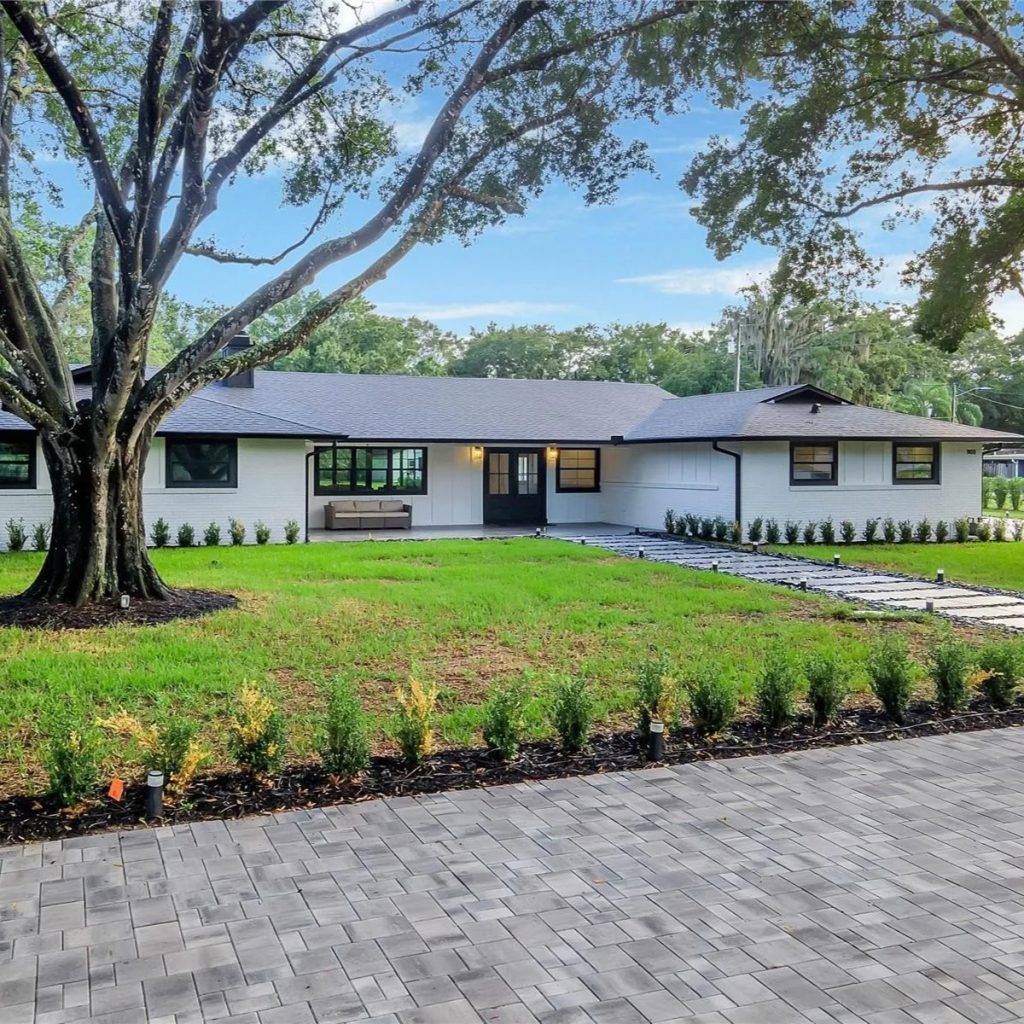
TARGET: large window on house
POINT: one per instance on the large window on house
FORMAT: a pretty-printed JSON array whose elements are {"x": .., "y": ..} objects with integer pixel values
[
  {"x": 579, "y": 469},
  {"x": 202, "y": 462},
  {"x": 811, "y": 464},
  {"x": 915, "y": 463},
  {"x": 17, "y": 460},
  {"x": 371, "y": 471}
]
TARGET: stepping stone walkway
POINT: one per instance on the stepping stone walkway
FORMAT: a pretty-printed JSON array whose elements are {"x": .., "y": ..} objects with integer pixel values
[{"x": 886, "y": 590}]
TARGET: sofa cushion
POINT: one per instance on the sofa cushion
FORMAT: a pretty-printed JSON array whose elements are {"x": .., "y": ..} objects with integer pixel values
[
  {"x": 391, "y": 505},
  {"x": 368, "y": 505},
  {"x": 391, "y": 515},
  {"x": 344, "y": 505}
]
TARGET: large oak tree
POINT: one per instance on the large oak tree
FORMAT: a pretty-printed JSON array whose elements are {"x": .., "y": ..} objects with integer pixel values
[{"x": 163, "y": 107}]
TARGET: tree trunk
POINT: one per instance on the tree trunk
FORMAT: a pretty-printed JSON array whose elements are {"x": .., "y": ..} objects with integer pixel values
[{"x": 98, "y": 543}]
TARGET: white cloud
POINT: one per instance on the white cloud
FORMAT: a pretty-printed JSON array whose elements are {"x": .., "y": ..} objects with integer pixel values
[
  {"x": 692, "y": 326},
  {"x": 472, "y": 310},
  {"x": 1009, "y": 307},
  {"x": 704, "y": 280}
]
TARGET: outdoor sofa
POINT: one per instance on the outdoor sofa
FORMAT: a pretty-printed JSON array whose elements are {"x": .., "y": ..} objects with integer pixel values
[{"x": 367, "y": 514}]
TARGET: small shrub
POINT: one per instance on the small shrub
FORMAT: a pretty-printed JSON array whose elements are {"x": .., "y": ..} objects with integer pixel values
[
  {"x": 40, "y": 536},
  {"x": 889, "y": 530},
  {"x": 961, "y": 530},
  {"x": 847, "y": 531},
  {"x": 1017, "y": 526},
  {"x": 262, "y": 532},
  {"x": 345, "y": 744},
  {"x": 211, "y": 535},
  {"x": 713, "y": 701},
  {"x": 791, "y": 531},
  {"x": 983, "y": 530},
  {"x": 692, "y": 524},
  {"x": 891, "y": 674},
  {"x": 171, "y": 746},
  {"x": 1000, "y": 491},
  {"x": 999, "y": 530},
  {"x": 670, "y": 520},
  {"x": 236, "y": 531},
  {"x": 16, "y": 534},
  {"x": 871, "y": 531},
  {"x": 826, "y": 687},
  {"x": 906, "y": 531},
  {"x": 772, "y": 533},
  {"x": 810, "y": 532},
  {"x": 987, "y": 487},
  {"x": 72, "y": 760},
  {"x": 721, "y": 528},
  {"x": 256, "y": 732},
  {"x": 1016, "y": 492},
  {"x": 776, "y": 689},
  {"x": 414, "y": 723},
  {"x": 736, "y": 533},
  {"x": 941, "y": 531},
  {"x": 755, "y": 530},
  {"x": 291, "y": 531},
  {"x": 657, "y": 694},
  {"x": 572, "y": 711},
  {"x": 828, "y": 531},
  {"x": 186, "y": 536},
  {"x": 160, "y": 535},
  {"x": 1000, "y": 663},
  {"x": 707, "y": 528},
  {"x": 951, "y": 668},
  {"x": 503, "y": 721},
  {"x": 923, "y": 531}
]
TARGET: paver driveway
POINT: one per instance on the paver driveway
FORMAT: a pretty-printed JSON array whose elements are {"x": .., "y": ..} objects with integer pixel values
[
  {"x": 979, "y": 607},
  {"x": 881, "y": 883}
]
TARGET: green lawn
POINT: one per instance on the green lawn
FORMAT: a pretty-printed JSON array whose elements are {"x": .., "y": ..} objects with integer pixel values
[
  {"x": 464, "y": 613},
  {"x": 988, "y": 564}
]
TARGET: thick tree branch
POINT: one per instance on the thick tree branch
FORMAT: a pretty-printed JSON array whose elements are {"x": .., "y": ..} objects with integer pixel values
[
  {"x": 994, "y": 181},
  {"x": 992, "y": 40}
]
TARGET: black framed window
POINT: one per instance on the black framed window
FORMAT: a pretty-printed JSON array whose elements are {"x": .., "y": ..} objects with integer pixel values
[
  {"x": 371, "y": 471},
  {"x": 915, "y": 463},
  {"x": 813, "y": 464},
  {"x": 579, "y": 469},
  {"x": 202, "y": 462},
  {"x": 17, "y": 461}
]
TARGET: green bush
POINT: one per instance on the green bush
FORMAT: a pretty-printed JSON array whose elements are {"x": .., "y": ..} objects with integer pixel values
[
  {"x": 941, "y": 531},
  {"x": 923, "y": 531},
  {"x": 983, "y": 530},
  {"x": 572, "y": 712},
  {"x": 40, "y": 536},
  {"x": 16, "y": 534},
  {"x": 211, "y": 535},
  {"x": 736, "y": 533},
  {"x": 906, "y": 531},
  {"x": 827, "y": 687},
  {"x": 1001, "y": 664},
  {"x": 1016, "y": 492},
  {"x": 72, "y": 759},
  {"x": 707, "y": 528},
  {"x": 170, "y": 746},
  {"x": 828, "y": 531},
  {"x": 345, "y": 744},
  {"x": 1017, "y": 528},
  {"x": 772, "y": 533},
  {"x": 892, "y": 675},
  {"x": 1000, "y": 491},
  {"x": 657, "y": 694},
  {"x": 951, "y": 669},
  {"x": 847, "y": 531},
  {"x": 236, "y": 532},
  {"x": 962, "y": 530},
  {"x": 755, "y": 530},
  {"x": 670, "y": 520},
  {"x": 256, "y": 732},
  {"x": 988, "y": 497},
  {"x": 889, "y": 530},
  {"x": 999, "y": 530},
  {"x": 791, "y": 531},
  {"x": 810, "y": 532},
  {"x": 692, "y": 524},
  {"x": 775, "y": 691},
  {"x": 503, "y": 721},
  {"x": 161, "y": 533},
  {"x": 713, "y": 701},
  {"x": 292, "y": 531},
  {"x": 871, "y": 530},
  {"x": 262, "y": 532},
  {"x": 721, "y": 528},
  {"x": 186, "y": 536},
  {"x": 414, "y": 723}
]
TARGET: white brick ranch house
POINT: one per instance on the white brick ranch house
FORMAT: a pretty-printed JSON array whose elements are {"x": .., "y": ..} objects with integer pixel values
[{"x": 276, "y": 446}]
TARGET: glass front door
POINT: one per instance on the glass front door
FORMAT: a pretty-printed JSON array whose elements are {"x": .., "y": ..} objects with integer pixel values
[{"x": 514, "y": 486}]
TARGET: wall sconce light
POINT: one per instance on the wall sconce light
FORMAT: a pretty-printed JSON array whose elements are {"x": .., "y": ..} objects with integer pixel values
[
  {"x": 476, "y": 453},
  {"x": 552, "y": 455}
]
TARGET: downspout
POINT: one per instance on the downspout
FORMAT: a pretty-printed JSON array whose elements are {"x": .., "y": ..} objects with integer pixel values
[{"x": 737, "y": 458}]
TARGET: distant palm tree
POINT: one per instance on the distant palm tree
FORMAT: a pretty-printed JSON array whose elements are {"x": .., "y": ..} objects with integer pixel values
[{"x": 936, "y": 400}]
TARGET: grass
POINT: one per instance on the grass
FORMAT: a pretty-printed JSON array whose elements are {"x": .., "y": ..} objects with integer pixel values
[
  {"x": 465, "y": 614},
  {"x": 987, "y": 564}
]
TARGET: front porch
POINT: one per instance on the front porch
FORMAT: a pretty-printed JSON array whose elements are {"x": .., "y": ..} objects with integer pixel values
[{"x": 470, "y": 532}]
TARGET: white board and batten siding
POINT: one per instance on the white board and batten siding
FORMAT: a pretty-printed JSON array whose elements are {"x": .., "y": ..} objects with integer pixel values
[{"x": 270, "y": 481}]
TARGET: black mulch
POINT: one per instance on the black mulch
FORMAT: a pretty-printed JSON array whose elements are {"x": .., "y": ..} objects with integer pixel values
[
  {"x": 233, "y": 795},
  {"x": 181, "y": 604}
]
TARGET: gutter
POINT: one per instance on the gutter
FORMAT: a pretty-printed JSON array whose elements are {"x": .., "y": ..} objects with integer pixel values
[{"x": 737, "y": 458}]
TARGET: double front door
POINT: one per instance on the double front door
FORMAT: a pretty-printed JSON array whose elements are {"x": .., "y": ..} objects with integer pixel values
[{"x": 514, "y": 486}]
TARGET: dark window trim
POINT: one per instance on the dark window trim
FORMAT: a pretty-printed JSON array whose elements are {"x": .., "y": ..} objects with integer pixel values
[
  {"x": 29, "y": 440},
  {"x": 229, "y": 484},
  {"x": 596, "y": 489},
  {"x": 935, "y": 478},
  {"x": 834, "y": 445},
  {"x": 336, "y": 492}
]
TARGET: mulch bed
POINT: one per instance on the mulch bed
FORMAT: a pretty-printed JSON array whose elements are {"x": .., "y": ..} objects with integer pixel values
[
  {"x": 235, "y": 794},
  {"x": 181, "y": 604}
]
